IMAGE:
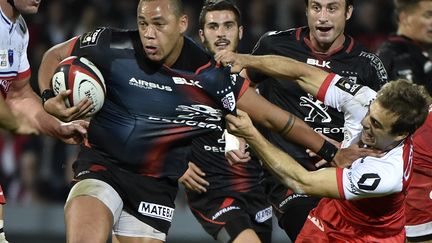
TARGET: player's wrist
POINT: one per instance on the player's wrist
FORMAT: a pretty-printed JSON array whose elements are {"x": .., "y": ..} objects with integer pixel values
[
  {"x": 328, "y": 151},
  {"x": 46, "y": 95}
]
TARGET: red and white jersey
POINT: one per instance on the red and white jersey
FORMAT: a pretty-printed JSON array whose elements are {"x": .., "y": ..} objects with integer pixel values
[
  {"x": 351, "y": 99},
  {"x": 374, "y": 188},
  {"x": 419, "y": 197},
  {"x": 13, "y": 51}
]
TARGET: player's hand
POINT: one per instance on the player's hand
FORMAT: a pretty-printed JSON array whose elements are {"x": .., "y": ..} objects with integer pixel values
[
  {"x": 345, "y": 157},
  {"x": 237, "y": 156},
  {"x": 73, "y": 132},
  {"x": 57, "y": 107},
  {"x": 234, "y": 60},
  {"x": 315, "y": 157},
  {"x": 193, "y": 179},
  {"x": 240, "y": 125}
]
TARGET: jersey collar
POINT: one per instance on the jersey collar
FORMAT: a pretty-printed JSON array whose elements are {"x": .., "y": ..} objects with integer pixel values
[{"x": 4, "y": 18}]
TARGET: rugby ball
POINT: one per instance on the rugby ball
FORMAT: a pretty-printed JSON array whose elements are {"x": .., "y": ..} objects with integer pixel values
[{"x": 83, "y": 78}]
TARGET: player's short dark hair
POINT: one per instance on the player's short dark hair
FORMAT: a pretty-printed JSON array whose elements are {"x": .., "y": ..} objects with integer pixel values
[
  {"x": 177, "y": 4},
  {"x": 405, "y": 5},
  {"x": 348, "y": 3},
  {"x": 218, "y": 5},
  {"x": 409, "y": 101}
]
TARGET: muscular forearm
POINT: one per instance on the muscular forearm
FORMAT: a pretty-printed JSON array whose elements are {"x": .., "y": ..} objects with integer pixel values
[
  {"x": 308, "y": 77},
  {"x": 49, "y": 63},
  {"x": 7, "y": 118},
  {"x": 279, "y": 163},
  {"x": 321, "y": 183},
  {"x": 280, "y": 121},
  {"x": 27, "y": 107}
]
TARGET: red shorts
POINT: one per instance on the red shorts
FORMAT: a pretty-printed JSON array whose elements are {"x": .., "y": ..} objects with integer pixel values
[
  {"x": 419, "y": 203},
  {"x": 2, "y": 197},
  {"x": 317, "y": 230}
]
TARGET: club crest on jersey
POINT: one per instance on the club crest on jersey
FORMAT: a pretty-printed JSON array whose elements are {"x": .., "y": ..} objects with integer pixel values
[
  {"x": 90, "y": 38},
  {"x": 348, "y": 86},
  {"x": 229, "y": 102}
]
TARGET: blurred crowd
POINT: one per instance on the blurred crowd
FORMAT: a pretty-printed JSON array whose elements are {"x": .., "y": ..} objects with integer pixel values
[{"x": 37, "y": 169}]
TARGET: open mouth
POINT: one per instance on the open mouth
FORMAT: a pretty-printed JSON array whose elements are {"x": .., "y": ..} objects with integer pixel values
[
  {"x": 222, "y": 44},
  {"x": 324, "y": 28},
  {"x": 150, "y": 50}
]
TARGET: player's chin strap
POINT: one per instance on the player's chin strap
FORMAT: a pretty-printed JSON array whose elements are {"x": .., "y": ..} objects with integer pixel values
[{"x": 12, "y": 3}]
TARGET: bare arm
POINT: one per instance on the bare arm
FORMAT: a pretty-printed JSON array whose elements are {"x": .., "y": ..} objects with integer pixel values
[
  {"x": 278, "y": 120},
  {"x": 56, "y": 105},
  {"x": 8, "y": 120},
  {"x": 319, "y": 183},
  {"x": 27, "y": 108},
  {"x": 308, "y": 77}
]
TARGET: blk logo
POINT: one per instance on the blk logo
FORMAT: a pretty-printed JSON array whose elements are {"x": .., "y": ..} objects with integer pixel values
[{"x": 318, "y": 63}]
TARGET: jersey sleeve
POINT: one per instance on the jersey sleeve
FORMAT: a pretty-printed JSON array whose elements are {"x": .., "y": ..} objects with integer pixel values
[
  {"x": 371, "y": 177},
  {"x": 223, "y": 87},
  {"x": 347, "y": 97},
  {"x": 92, "y": 45}
]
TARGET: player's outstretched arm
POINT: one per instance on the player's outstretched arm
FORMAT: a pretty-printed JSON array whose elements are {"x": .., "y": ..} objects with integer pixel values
[
  {"x": 308, "y": 77},
  {"x": 31, "y": 117},
  {"x": 278, "y": 120},
  {"x": 55, "y": 104},
  {"x": 319, "y": 183}
]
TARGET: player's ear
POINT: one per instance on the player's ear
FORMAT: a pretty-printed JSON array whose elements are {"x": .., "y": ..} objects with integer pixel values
[
  {"x": 240, "y": 32},
  {"x": 183, "y": 23},
  {"x": 201, "y": 35},
  {"x": 349, "y": 12}
]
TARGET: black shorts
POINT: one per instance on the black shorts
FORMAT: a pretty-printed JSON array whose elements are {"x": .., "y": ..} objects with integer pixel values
[
  {"x": 149, "y": 199},
  {"x": 290, "y": 208},
  {"x": 235, "y": 211}
]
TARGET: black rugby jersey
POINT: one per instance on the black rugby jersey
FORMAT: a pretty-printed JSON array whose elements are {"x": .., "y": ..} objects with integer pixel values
[
  {"x": 209, "y": 155},
  {"x": 151, "y": 111},
  {"x": 404, "y": 58},
  {"x": 351, "y": 60}
]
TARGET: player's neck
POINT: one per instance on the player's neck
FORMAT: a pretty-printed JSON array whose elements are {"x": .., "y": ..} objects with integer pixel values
[
  {"x": 327, "y": 48},
  {"x": 175, "y": 53},
  {"x": 8, "y": 10}
]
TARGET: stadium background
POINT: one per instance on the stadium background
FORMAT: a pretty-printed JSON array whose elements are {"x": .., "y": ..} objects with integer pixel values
[{"x": 35, "y": 171}]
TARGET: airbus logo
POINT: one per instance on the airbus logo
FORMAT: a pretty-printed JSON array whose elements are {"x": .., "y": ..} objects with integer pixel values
[
  {"x": 318, "y": 63},
  {"x": 148, "y": 85}
]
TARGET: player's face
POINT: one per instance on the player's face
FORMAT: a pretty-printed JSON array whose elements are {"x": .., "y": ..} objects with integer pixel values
[
  {"x": 161, "y": 31},
  {"x": 377, "y": 126},
  {"x": 326, "y": 20},
  {"x": 27, "y": 6},
  {"x": 419, "y": 20},
  {"x": 221, "y": 31}
]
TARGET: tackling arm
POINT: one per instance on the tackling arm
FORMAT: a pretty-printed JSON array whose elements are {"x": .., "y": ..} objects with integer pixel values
[{"x": 321, "y": 183}]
